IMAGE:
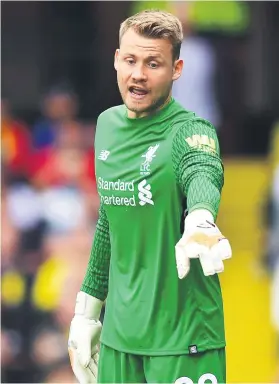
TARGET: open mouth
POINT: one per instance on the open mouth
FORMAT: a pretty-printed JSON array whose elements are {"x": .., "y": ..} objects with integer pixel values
[{"x": 138, "y": 92}]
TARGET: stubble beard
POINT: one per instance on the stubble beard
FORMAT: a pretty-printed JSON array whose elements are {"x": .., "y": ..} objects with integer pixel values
[
  {"x": 155, "y": 104},
  {"x": 151, "y": 108}
]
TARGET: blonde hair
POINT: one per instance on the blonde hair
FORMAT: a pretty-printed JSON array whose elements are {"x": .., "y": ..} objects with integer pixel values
[{"x": 155, "y": 24}]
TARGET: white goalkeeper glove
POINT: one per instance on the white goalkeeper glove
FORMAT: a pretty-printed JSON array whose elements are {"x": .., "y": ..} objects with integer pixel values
[
  {"x": 83, "y": 343},
  {"x": 203, "y": 240}
]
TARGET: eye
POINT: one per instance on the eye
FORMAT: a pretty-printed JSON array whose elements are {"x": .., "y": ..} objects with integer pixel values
[
  {"x": 153, "y": 65},
  {"x": 130, "y": 61}
]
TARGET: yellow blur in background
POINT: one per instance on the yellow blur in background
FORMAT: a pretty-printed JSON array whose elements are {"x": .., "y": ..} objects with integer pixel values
[{"x": 251, "y": 347}]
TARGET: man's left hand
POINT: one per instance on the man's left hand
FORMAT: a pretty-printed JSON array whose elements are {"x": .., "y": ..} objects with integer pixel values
[{"x": 201, "y": 239}]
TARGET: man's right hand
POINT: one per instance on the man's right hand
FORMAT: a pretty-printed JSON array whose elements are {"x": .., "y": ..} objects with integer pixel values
[{"x": 83, "y": 343}]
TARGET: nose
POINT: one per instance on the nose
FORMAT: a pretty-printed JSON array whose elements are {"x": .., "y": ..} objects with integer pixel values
[{"x": 138, "y": 73}]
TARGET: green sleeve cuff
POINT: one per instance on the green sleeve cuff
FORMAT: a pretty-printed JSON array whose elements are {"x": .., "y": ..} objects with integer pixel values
[
  {"x": 203, "y": 194},
  {"x": 96, "y": 279}
]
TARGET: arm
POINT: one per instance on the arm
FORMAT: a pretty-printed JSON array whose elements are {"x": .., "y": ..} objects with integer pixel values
[
  {"x": 95, "y": 282},
  {"x": 86, "y": 327},
  {"x": 200, "y": 174},
  {"x": 198, "y": 168}
]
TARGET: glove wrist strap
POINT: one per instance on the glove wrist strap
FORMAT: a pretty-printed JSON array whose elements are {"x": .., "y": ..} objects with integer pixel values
[
  {"x": 88, "y": 306},
  {"x": 198, "y": 216}
]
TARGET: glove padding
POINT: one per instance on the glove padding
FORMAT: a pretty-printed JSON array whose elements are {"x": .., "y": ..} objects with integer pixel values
[
  {"x": 203, "y": 240},
  {"x": 84, "y": 336}
]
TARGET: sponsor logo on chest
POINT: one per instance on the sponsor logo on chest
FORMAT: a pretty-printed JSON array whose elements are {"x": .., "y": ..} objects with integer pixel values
[{"x": 137, "y": 193}]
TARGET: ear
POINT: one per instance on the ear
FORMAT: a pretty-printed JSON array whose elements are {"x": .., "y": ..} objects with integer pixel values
[
  {"x": 177, "y": 69},
  {"x": 116, "y": 59}
]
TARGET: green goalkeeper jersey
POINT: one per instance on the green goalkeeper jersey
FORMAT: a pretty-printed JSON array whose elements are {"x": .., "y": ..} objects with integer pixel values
[{"x": 149, "y": 171}]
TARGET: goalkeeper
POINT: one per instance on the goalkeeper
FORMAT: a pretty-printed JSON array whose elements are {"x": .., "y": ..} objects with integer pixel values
[{"x": 156, "y": 253}]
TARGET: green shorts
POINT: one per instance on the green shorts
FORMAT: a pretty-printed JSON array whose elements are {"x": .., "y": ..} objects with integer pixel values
[{"x": 201, "y": 368}]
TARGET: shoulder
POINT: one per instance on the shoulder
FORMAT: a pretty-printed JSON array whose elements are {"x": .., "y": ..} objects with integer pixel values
[
  {"x": 195, "y": 133},
  {"x": 108, "y": 122},
  {"x": 188, "y": 121},
  {"x": 198, "y": 124},
  {"x": 116, "y": 111}
]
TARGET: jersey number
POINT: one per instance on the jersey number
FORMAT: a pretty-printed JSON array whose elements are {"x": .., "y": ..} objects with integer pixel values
[{"x": 202, "y": 379}]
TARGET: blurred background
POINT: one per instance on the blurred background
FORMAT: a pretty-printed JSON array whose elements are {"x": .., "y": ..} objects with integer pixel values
[{"x": 57, "y": 76}]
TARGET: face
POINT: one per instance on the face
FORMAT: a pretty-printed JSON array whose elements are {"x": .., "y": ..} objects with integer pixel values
[
  {"x": 145, "y": 73},
  {"x": 59, "y": 107}
]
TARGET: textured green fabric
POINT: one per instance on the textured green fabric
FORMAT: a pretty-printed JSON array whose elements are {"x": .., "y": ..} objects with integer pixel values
[
  {"x": 198, "y": 169},
  {"x": 95, "y": 282}
]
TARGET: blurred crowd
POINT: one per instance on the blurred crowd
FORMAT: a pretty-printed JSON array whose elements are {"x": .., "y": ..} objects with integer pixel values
[{"x": 49, "y": 211}]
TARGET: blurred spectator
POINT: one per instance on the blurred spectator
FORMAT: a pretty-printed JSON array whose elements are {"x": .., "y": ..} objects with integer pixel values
[
  {"x": 68, "y": 161},
  {"x": 10, "y": 241},
  {"x": 195, "y": 89},
  {"x": 272, "y": 215},
  {"x": 15, "y": 144},
  {"x": 271, "y": 207},
  {"x": 59, "y": 106},
  {"x": 65, "y": 173}
]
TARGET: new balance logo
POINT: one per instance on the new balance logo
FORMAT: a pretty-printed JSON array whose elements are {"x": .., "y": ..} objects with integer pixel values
[
  {"x": 104, "y": 155},
  {"x": 145, "y": 196}
]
